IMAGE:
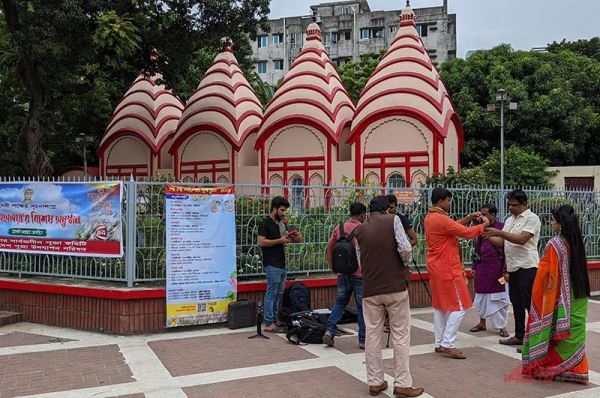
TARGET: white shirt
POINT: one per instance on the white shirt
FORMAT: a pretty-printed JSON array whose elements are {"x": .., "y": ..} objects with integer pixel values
[{"x": 525, "y": 255}]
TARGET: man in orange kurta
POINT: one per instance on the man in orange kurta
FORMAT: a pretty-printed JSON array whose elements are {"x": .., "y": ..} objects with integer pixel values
[{"x": 450, "y": 295}]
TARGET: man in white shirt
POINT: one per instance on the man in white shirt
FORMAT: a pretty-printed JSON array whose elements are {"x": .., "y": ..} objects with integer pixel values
[{"x": 521, "y": 234}]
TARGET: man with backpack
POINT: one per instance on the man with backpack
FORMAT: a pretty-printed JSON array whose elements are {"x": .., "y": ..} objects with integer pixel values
[
  {"x": 341, "y": 256},
  {"x": 272, "y": 238},
  {"x": 385, "y": 254}
]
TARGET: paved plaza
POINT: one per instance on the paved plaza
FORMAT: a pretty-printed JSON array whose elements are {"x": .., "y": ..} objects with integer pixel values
[{"x": 50, "y": 362}]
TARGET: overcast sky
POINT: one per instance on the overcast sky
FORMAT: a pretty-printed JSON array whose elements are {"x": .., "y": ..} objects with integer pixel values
[{"x": 483, "y": 24}]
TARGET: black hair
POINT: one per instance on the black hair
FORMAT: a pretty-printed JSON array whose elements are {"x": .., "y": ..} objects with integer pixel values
[
  {"x": 491, "y": 208},
  {"x": 379, "y": 204},
  {"x": 439, "y": 194},
  {"x": 356, "y": 209},
  {"x": 392, "y": 199},
  {"x": 570, "y": 231},
  {"x": 279, "y": 201},
  {"x": 517, "y": 195}
]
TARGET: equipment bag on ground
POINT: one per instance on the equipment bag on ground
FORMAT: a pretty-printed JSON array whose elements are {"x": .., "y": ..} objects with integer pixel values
[
  {"x": 296, "y": 298},
  {"x": 305, "y": 328}
]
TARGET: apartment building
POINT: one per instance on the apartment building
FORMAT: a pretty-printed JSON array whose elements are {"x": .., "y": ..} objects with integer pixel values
[{"x": 350, "y": 29}]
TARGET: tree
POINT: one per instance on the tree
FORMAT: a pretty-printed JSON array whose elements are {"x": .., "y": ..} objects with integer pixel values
[
  {"x": 65, "y": 65},
  {"x": 355, "y": 75},
  {"x": 522, "y": 168},
  {"x": 559, "y": 109}
]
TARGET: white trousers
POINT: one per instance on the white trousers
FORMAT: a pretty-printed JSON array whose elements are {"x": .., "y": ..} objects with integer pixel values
[{"x": 446, "y": 326}]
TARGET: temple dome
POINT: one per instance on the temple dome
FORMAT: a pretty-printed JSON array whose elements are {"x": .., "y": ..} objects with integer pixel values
[
  {"x": 311, "y": 93},
  {"x": 224, "y": 102},
  {"x": 148, "y": 111},
  {"x": 406, "y": 83}
]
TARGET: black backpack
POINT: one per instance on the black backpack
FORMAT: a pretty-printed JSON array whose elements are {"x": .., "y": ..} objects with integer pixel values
[
  {"x": 343, "y": 259},
  {"x": 306, "y": 328},
  {"x": 296, "y": 298}
]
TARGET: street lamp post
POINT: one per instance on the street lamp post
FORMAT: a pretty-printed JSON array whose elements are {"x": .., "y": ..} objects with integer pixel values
[
  {"x": 84, "y": 139},
  {"x": 501, "y": 96}
]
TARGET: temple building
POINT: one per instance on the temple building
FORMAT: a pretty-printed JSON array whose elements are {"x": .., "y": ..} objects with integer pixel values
[
  {"x": 403, "y": 129},
  {"x": 310, "y": 114},
  {"x": 140, "y": 131},
  {"x": 217, "y": 132}
]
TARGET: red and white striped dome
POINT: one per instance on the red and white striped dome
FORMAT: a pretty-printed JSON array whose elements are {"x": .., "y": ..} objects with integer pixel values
[
  {"x": 147, "y": 111},
  {"x": 224, "y": 102},
  {"x": 311, "y": 93},
  {"x": 405, "y": 83}
]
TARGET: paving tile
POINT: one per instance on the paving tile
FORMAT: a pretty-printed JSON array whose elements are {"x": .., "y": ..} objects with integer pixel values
[
  {"x": 593, "y": 313},
  {"x": 471, "y": 319},
  {"x": 62, "y": 370},
  {"x": 21, "y": 339},
  {"x": 592, "y": 350},
  {"x": 329, "y": 382},
  {"x": 140, "y": 395},
  {"x": 349, "y": 344},
  {"x": 188, "y": 356},
  {"x": 483, "y": 373}
]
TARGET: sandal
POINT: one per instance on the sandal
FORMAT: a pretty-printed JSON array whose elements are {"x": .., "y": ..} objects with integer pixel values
[
  {"x": 504, "y": 333},
  {"x": 477, "y": 328}
]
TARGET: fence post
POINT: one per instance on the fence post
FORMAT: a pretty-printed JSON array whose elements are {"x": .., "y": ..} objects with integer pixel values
[{"x": 131, "y": 231}]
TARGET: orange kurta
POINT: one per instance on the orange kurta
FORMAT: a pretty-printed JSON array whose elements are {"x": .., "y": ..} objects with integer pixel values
[{"x": 444, "y": 264}]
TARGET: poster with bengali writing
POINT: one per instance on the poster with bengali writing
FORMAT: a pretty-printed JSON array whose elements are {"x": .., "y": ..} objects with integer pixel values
[
  {"x": 62, "y": 218},
  {"x": 201, "y": 256}
]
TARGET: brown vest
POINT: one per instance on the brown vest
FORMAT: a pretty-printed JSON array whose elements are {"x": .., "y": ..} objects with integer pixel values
[{"x": 382, "y": 268}]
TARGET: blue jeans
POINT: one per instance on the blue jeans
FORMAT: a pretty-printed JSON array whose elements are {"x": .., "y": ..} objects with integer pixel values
[
  {"x": 275, "y": 285},
  {"x": 347, "y": 284}
]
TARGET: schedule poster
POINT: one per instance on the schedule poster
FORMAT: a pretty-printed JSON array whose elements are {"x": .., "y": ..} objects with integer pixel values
[{"x": 201, "y": 256}]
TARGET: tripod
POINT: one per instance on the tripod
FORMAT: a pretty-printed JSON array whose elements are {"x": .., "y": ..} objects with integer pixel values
[
  {"x": 387, "y": 327},
  {"x": 259, "y": 319}
]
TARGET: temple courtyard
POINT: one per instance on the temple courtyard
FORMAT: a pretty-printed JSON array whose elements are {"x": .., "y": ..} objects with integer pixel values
[{"x": 210, "y": 362}]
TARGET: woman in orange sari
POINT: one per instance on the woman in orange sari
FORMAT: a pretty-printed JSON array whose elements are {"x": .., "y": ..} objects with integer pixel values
[{"x": 554, "y": 344}]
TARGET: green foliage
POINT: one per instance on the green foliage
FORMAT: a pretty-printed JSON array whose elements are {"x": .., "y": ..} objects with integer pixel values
[
  {"x": 559, "y": 109},
  {"x": 522, "y": 168},
  {"x": 65, "y": 65},
  {"x": 355, "y": 75}
]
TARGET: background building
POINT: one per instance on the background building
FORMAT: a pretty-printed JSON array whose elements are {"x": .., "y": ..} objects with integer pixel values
[{"x": 350, "y": 29}]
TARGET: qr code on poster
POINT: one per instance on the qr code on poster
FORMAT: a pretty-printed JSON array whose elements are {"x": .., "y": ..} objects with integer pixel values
[{"x": 201, "y": 307}]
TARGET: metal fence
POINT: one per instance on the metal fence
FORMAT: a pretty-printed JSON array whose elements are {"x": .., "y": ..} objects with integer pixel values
[{"x": 314, "y": 210}]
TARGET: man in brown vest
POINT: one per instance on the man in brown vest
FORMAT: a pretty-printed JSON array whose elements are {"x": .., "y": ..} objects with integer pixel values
[{"x": 385, "y": 253}]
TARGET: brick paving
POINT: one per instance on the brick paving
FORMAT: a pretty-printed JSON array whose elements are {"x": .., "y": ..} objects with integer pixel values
[
  {"x": 21, "y": 338},
  {"x": 227, "y": 351},
  {"x": 329, "y": 382},
  {"x": 484, "y": 373},
  {"x": 216, "y": 362},
  {"x": 60, "y": 370}
]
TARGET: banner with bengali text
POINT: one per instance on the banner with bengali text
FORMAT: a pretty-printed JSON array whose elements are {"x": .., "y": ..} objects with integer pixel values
[
  {"x": 62, "y": 218},
  {"x": 201, "y": 256}
]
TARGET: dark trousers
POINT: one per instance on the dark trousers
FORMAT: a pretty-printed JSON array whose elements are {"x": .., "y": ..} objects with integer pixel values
[{"x": 520, "y": 284}]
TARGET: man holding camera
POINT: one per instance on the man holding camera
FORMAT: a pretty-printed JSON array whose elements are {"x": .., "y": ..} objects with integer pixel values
[
  {"x": 272, "y": 238},
  {"x": 450, "y": 295}
]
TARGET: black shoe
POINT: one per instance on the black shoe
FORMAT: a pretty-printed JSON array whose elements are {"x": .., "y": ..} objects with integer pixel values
[{"x": 511, "y": 341}]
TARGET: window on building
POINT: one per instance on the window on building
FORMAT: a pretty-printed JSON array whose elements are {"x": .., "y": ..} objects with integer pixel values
[
  {"x": 297, "y": 194},
  {"x": 263, "y": 41},
  {"x": 346, "y": 10},
  {"x": 365, "y": 33},
  {"x": 393, "y": 28},
  {"x": 277, "y": 64},
  {"x": 422, "y": 30},
  {"x": 348, "y": 35},
  {"x": 330, "y": 38},
  {"x": 296, "y": 40},
  {"x": 377, "y": 22},
  {"x": 396, "y": 181},
  {"x": 261, "y": 67},
  {"x": 277, "y": 38},
  {"x": 378, "y": 33}
]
